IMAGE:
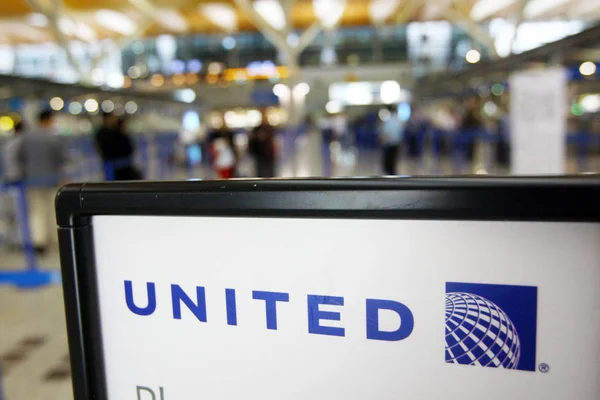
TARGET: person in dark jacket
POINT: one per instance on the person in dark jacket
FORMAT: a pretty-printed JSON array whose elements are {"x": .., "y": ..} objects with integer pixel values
[
  {"x": 262, "y": 147},
  {"x": 472, "y": 124},
  {"x": 116, "y": 150}
]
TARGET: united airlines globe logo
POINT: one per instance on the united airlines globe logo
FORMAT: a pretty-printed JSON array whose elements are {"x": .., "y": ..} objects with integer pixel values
[
  {"x": 491, "y": 325},
  {"x": 478, "y": 332}
]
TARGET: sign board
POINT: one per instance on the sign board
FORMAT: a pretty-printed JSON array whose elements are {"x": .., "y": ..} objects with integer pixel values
[
  {"x": 538, "y": 121},
  {"x": 326, "y": 290}
]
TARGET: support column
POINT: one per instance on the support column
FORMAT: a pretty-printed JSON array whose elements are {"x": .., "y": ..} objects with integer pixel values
[{"x": 290, "y": 54}]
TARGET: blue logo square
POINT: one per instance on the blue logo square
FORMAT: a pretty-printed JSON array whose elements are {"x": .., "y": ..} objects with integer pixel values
[{"x": 491, "y": 325}]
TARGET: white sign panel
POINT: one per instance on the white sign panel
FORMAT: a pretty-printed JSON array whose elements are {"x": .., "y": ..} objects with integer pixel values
[
  {"x": 271, "y": 309},
  {"x": 538, "y": 121}
]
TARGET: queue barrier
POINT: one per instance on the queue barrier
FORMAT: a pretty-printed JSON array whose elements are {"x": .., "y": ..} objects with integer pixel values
[
  {"x": 460, "y": 146},
  {"x": 88, "y": 167},
  {"x": 31, "y": 275}
]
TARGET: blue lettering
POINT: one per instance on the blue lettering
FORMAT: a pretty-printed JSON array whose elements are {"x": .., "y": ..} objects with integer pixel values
[
  {"x": 149, "y": 309},
  {"x": 271, "y": 299},
  {"x": 406, "y": 320},
  {"x": 230, "y": 305},
  {"x": 315, "y": 315},
  {"x": 178, "y": 296}
]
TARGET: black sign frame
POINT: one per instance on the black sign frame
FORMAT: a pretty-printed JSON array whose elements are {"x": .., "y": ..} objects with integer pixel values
[{"x": 566, "y": 199}]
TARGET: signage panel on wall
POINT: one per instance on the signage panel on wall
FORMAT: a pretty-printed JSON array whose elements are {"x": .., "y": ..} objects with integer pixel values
[{"x": 538, "y": 121}]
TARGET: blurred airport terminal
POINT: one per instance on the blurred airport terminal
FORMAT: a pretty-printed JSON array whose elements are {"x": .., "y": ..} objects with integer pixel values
[{"x": 95, "y": 90}]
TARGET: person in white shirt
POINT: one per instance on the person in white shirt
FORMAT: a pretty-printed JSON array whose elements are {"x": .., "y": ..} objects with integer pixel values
[
  {"x": 42, "y": 158},
  {"x": 12, "y": 168},
  {"x": 13, "y": 175},
  {"x": 390, "y": 138}
]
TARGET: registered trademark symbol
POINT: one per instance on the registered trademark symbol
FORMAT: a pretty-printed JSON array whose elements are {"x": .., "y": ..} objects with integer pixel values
[{"x": 544, "y": 368}]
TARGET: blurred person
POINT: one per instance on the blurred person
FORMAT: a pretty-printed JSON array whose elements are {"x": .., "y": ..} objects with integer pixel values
[
  {"x": 415, "y": 131},
  {"x": 116, "y": 149},
  {"x": 12, "y": 168},
  {"x": 13, "y": 175},
  {"x": 262, "y": 147},
  {"x": 502, "y": 148},
  {"x": 391, "y": 138},
  {"x": 472, "y": 117},
  {"x": 42, "y": 158},
  {"x": 472, "y": 124},
  {"x": 222, "y": 150},
  {"x": 339, "y": 128}
]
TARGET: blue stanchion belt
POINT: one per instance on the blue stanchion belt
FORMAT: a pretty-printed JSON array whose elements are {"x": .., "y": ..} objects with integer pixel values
[
  {"x": 582, "y": 141},
  {"x": 31, "y": 276},
  {"x": 1, "y": 386},
  {"x": 110, "y": 167}
]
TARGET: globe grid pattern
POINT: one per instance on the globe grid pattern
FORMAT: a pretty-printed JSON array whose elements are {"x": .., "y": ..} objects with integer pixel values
[{"x": 478, "y": 332}]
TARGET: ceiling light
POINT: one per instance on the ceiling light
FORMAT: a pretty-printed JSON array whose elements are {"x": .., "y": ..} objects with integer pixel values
[
  {"x": 329, "y": 11},
  {"x": 222, "y": 15},
  {"x": 172, "y": 20},
  {"x": 66, "y": 25},
  {"x": 537, "y": 8},
  {"x": 272, "y": 12},
  {"x": 116, "y": 22},
  {"x": 85, "y": 32},
  {"x": 381, "y": 10},
  {"x": 37, "y": 19},
  {"x": 484, "y": 9}
]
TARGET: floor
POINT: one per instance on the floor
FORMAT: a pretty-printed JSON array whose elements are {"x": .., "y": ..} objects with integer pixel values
[{"x": 33, "y": 342}]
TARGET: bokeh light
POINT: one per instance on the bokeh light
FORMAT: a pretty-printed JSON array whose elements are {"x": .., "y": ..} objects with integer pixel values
[
  {"x": 57, "y": 103},
  {"x": 157, "y": 80},
  {"x": 473, "y": 56},
  {"x": 6, "y": 123},
  {"x": 587, "y": 68}
]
